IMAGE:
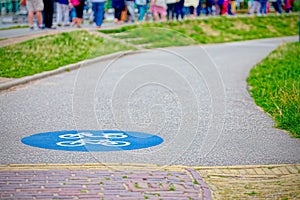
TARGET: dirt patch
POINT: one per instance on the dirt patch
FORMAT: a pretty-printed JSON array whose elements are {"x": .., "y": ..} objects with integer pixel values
[
  {"x": 241, "y": 26},
  {"x": 209, "y": 31},
  {"x": 271, "y": 28}
]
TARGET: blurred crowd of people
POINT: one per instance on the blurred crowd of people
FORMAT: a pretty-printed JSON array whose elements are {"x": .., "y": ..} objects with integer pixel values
[
  {"x": 262, "y": 7},
  {"x": 70, "y": 12}
]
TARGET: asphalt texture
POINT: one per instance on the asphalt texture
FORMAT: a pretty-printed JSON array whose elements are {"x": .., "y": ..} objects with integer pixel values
[{"x": 195, "y": 98}]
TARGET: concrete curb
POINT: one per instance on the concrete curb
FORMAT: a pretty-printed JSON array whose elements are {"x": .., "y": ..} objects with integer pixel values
[
  {"x": 24, "y": 80},
  {"x": 132, "y": 166}
]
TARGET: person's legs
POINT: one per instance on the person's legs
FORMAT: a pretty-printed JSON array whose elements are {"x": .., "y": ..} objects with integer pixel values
[
  {"x": 168, "y": 11},
  {"x": 130, "y": 7},
  {"x": 30, "y": 18},
  {"x": 263, "y": 8},
  {"x": 155, "y": 16},
  {"x": 163, "y": 16},
  {"x": 79, "y": 14},
  {"x": 278, "y": 2},
  {"x": 39, "y": 18},
  {"x": 30, "y": 8},
  {"x": 199, "y": 8},
  {"x": 176, "y": 10},
  {"x": 65, "y": 14},
  {"x": 173, "y": 11},
  {"x": 209, "y": 8},
  {"x": 46, "y": 18},
  {"x": 59, "y": 13},
  {"x": 95, "y": 11},
  {"x": 48, "y": 13},
  {"x": 118, "y": 13},
  {"x": 257, "y": 7},
  {"x": 221, "y": 8},
  {"x": 142, "y": 11},
  {"x": 98, "y": 9}
]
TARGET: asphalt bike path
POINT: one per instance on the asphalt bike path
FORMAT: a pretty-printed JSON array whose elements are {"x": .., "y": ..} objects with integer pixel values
[{"x": 195, "y": 98}]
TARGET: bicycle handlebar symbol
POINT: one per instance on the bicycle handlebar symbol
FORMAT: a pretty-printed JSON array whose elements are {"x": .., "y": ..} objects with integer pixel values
[{"x": 84, "y": 138}]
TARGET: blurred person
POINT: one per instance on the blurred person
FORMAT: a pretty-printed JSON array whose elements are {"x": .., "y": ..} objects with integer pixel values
[
  {"x": 255, "y": 7},
  {"x": 130, "y": 7},
  {"x": 48, "y": 13},
  {"x": 263, "y": 7},
  {"x": 62, "y": 7},
  {"x": 224, "y": 10},
  {"x": 35, "y": 6},
  {"x": 98, "y": 9},
  {"x": 288, "y": 6},
  {"x": 199, "y": 8},
  {"x": 72, "y": 14},
  {"x": 171, "y": 9},
  {"x": 250, "y": 5},
  {"x": 190, "y": 7},
  {"x": 159, "y": 8},
  {"x": 208, "y": 7},
  {"x": 119, "y": 6},
  {"x": 179, "y": 9},
  {"x": 219, "y": 7},
  {"x": 79, "y": 6},
  {"x": 277, "y": 5},
  {"x": 142, "y": 6}
]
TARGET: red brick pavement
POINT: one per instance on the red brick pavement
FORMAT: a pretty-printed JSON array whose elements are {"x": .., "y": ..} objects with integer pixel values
[{"x": 102, "y": 184}]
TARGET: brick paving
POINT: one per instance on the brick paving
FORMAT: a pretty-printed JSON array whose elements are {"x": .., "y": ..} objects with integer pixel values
[
  {"x": 133, "y": 181},
  {"x": 101, "y": 184}
]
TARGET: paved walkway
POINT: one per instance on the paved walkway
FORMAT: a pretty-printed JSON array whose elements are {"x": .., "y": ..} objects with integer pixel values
[
  {"x": 97, "y": 181},
  {"x": 140, "y": 181},
  {"x": 90, "y": 182}
]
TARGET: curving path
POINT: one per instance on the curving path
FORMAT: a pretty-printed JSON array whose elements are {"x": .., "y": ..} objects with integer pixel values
[{"x": 194, "y": 97}]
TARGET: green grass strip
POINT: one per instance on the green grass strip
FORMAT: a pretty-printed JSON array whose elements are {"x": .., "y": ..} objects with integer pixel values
[
  {"x": 275, "y": 86},
  {"x": 53, "y": 51},
  {"x": 208, "y": 30},
  {"x": 14, "y": 27}
]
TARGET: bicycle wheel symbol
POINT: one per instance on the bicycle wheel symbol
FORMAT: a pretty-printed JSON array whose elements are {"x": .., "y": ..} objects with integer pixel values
[
  {"x": 84, "y": 138},
  {"x": 83, "y": 142}
]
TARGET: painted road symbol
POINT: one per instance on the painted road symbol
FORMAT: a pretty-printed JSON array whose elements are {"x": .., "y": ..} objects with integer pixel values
[{"x": 93, "y": 140}]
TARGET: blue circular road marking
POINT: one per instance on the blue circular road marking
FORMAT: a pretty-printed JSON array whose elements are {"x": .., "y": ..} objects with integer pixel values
[{"x": 92, "y": 140}]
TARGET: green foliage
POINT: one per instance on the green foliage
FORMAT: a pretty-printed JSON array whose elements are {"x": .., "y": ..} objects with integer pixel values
[
  {"x": 50, "y": 52},
  {"x": 136, "y": 185},
  {"x": 253, "y": 193},
  {"x": 275, "y": 86},
  {"x": 172, "y": 188}
]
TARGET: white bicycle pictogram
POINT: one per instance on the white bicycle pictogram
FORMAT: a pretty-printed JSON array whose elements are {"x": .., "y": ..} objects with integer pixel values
[{"x": 84, "y": 138}]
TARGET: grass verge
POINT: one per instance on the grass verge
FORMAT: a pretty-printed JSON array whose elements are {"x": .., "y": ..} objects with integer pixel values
[
  {"x": 275, "y": 86},
  {"x": 14, "y": 27},
  {"x": 50, "y": 52},
  {"x": 207, "y": 30}
]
